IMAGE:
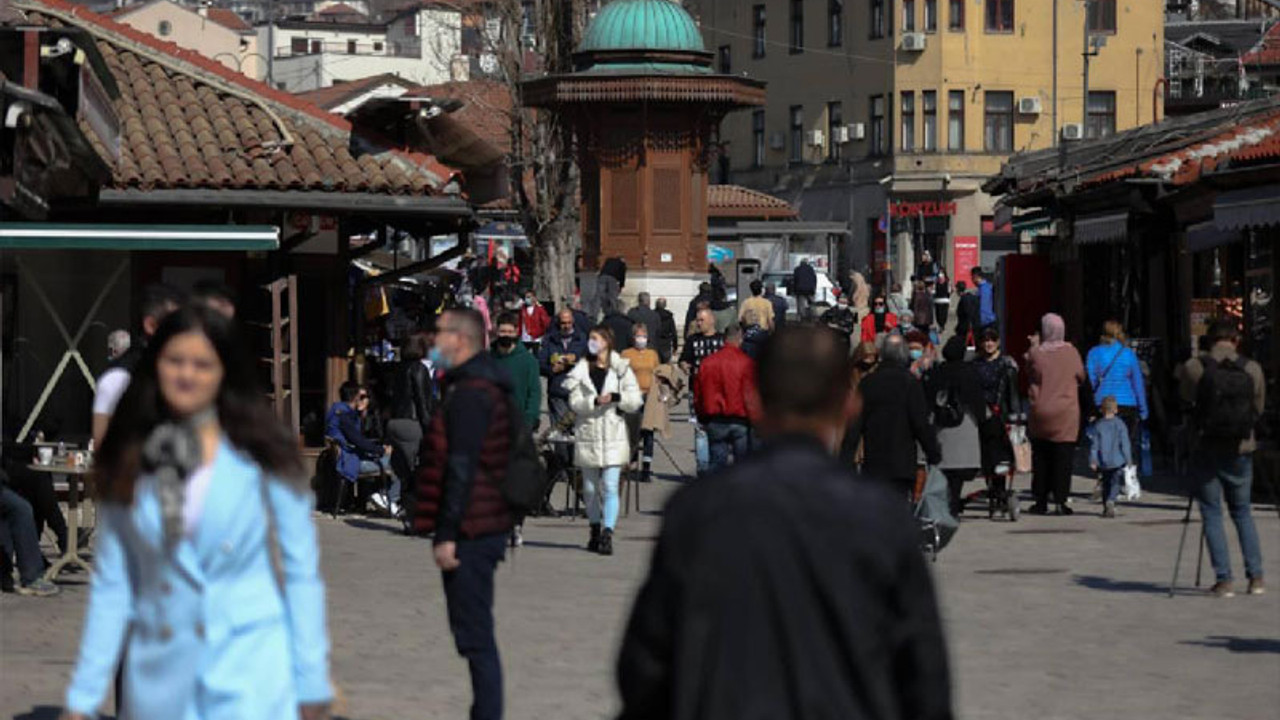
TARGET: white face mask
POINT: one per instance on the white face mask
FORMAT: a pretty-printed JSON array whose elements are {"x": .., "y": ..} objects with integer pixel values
[
  {"x": 642, "y": 342},
  {"x": 594, "y": 347}
]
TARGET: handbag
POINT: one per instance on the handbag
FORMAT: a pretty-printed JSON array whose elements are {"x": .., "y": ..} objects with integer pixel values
[
  {"x": 1132, "y": 489},
  {"x": 1021, "y": 449}
]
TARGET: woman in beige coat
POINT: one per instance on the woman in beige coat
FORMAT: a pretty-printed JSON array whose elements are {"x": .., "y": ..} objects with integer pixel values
[
  {"x": 602, "y": 391},
  {"x": 1055, "y": 373}
]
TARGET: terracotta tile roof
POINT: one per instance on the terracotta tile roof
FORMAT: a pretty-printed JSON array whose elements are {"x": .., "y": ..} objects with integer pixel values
[
  {"x": 330, "y": 97},
  {"x": 190, "y": 122},
  {"x": 229, "y": 20},
  {"x": 1267, "y": 51},
  {"x": 735, "y": 201},
  {"x": 486, "y": 108},
  {"x": 340, "y": 9}
]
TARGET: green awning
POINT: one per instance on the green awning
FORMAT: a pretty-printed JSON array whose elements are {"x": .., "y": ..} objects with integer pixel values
[{"x": 66, "y": 236}]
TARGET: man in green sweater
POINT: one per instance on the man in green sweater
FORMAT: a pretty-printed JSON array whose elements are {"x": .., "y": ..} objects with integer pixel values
[{"x": 526, "y": 382}]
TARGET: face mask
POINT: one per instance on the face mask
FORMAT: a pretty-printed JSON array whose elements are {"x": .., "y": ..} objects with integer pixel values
[
  {"x": 594, "y": 347},
  {"x": 438, "y": 359},
  {"x": 505, "y": 344},
  {"x": 642, "y": 342},
  {"x": 917, "y": 354}
]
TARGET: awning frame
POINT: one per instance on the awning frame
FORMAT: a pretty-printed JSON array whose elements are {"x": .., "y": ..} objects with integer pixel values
[
  {"x": 1102, "y": 228},
  {"x": 86, "y": 236}
]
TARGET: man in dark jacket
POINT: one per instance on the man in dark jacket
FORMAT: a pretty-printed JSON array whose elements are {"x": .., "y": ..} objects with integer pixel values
[
  {"x": 967, "y": 313},
  {"x": 779, "y": 304},
  {"x": 562, "y": 347},
  {"x": 617, "y": 322},
  {"x": 411, "y": 402},
  {"x": 784, "y": 588},
  {"x": 804, "y": 285},
  {"x": 668, "y": 334},
  {"x": 467, "y": 452},
  {"x": 725, "y": 395},
  {"x": 644, "y": 314},
  {"x": 895, "y": 419},
  {"x": 704, "y": 296}
]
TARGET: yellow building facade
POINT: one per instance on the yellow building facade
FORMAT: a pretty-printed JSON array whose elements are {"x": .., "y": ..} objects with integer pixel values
[{"x": 889, "y": 114}]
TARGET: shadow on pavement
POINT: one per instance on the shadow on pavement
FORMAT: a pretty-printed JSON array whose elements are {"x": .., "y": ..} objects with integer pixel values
[
  {"x": 374, "y": 525},
  {"x": 1093, "y": 582},
  {"x": 554, "y": 545},
  {"x": 1237, "y": 644}
]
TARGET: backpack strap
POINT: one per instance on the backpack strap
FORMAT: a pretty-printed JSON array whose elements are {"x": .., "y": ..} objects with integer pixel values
[{"x": 1103, "y": 377}]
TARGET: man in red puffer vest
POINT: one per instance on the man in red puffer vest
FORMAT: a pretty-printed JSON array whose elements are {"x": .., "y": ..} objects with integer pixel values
[
  {"x": 725, "y": 397},
  {"x": 465, "y": 455}
]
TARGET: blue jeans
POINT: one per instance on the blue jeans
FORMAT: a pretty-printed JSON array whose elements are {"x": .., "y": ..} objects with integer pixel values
[
  {"x": 1112, "y": 481},
  {"x": 600, "y": 490},
  {"x": 1229, "y": 474},
  {"x": 383, "y": 466},
  {"x": 725, "y": 439},
  {"x": 468, "y": 594},
  {"x": 18, "y": 536}
]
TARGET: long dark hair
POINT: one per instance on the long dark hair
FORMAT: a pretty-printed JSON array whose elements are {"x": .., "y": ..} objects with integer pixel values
[{"x": 243, "y": 412}]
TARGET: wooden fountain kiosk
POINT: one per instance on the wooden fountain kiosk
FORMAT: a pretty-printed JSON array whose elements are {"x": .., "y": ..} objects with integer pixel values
[{"x": 645, "y": 104}]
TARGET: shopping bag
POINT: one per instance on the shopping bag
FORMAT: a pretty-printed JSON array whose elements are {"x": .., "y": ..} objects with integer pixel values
[
  {"x": 1132, "y": 490},
  {"x": 1021, "y": 449}
]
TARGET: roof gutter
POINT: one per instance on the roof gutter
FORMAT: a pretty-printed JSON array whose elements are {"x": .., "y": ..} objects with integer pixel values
[{"x": 438, "y": 206}]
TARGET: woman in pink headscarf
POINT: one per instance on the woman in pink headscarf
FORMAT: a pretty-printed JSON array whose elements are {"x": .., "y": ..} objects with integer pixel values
[{"x": 1054, "y": 371}]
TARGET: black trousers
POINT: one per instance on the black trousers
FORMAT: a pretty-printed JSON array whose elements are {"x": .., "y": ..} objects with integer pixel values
[
  {"x": 1051, "y": 465},
  {"x": 940, "y": 311},
  {"x": 468, "y": 594},
  {"x": 37, "y": 489},
  {"x": 955, "y": 486}
]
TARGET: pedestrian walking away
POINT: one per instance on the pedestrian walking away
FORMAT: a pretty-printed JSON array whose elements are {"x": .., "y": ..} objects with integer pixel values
[
  {"x": 1054, "y": 376},
  {"x": 968, "y": 314},
  {"x": 184, "y": 575},
  {"x": 941, "y": 300},
  {"x": 759, "y": 304},
  {"x": 465, "y": 458},
  {"x": 804, "y": 285},
  {"x": 667, "y": 334},
  {"x": 727, "y": 405},
  {"x": 786, "y": 586},
  {"x": 1110, "y": 452},
  {"x": 1114, "y": 371},
  {"x": 957, "y": 405},
  {"x": 986, "y": 299},
  {"x": 602, "y": 391},
  {"x": 778, "y": 302},
  {"x": 1228, "y": 393}
]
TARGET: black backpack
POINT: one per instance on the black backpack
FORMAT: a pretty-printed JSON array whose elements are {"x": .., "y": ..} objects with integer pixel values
[
  {"x": 947, "y": 410},
  {"x": 1224, "y": 401}
]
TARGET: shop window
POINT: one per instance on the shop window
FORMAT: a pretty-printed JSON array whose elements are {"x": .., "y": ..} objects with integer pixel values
[
  {"x": 998, "y": 129},
  {"x": 797, "y": 133},
  {"x": 1000, "y": 16},
  {"x": 757, "y": 139},
  {"x": 835, "y": 121},
  {"x": 908, "y": 15},
  {"x": 797, "y": 26},
  {"x": 1102, "y": 16},
  {"x": 1101, "y": 121},
  {"x": 930, "y": 16},
  {"x": 835, "y": 23},
  {"x": 879, "y": 139},
  {"x": 908, "y": 134},
  {"x": 955, "y": 14},
  {"x": 757, "y": 31},
  {"x": 879, "y": 19},
  {"x": 955, "y": 120},
  {"x": 929, "y": 101}
]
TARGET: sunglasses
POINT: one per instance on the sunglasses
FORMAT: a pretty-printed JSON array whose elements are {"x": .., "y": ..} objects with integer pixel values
[{"x": 362, "y": 396}]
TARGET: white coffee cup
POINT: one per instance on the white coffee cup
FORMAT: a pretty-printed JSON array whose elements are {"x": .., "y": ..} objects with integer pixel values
[{"x": 46, "y": 455}]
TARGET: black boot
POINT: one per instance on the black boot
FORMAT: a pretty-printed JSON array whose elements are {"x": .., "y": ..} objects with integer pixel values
[
  {"x": 645, "y": 474},
  {"x": 606, "y": 542},
  {"x": 1064, "y": 509},
  {"x": 593, "y": 544}
]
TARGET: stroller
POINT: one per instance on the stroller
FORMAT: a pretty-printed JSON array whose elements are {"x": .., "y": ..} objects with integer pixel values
[{"x": 932, "y": 508}]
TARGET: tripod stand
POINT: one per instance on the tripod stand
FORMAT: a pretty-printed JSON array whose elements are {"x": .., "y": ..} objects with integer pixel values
[{"x": 1177, "y": 563}]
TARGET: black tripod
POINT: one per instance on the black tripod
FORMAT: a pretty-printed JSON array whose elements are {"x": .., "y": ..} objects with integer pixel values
[{"x": 1177, "y": 564}]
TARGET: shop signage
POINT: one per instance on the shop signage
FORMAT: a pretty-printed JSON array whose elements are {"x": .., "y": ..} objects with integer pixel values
[
  {"x": 922, "y": 209},
  {"x": 965, "y": 257}
]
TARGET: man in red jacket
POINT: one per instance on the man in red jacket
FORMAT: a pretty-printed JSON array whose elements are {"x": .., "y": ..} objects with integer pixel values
[{"x": 726, "y": 400}]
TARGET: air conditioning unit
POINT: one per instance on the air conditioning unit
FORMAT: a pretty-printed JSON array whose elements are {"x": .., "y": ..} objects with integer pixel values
[
  {"x": 913, "y": 41},
  {"x": 777, "y": 141},
  {"x": 840, "y": 135},
  {"x": 814, "y": 138},
  {"x": 857, "y": 131},
  {"x": 1029, "y": 106},
  {"x": 1073, "y": 131}
]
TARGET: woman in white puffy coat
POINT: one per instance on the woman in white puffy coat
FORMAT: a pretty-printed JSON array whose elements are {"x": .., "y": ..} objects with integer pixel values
[{"x": 602, "y": 391}]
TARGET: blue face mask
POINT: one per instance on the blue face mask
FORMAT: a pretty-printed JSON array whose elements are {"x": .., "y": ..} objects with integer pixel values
[
  {"x": 438, "y": 359},
  {"x": 917, "y": 354}
]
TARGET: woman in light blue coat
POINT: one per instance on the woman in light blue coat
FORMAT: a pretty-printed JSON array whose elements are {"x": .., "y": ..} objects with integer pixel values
[{"x": 206, "y": 585}]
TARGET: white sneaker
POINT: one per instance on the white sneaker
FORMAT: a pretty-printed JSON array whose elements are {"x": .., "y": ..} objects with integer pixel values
[
  {"x": 379, "y": 500},
  {"x": 395, "y": 509},
  {"x": 517, "y": 536}
]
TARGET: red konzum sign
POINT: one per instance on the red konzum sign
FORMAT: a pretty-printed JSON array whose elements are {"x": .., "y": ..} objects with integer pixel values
[{"x": 921, "y": 209}]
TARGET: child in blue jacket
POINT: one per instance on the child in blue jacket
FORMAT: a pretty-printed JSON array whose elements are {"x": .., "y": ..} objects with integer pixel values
[{"x": 1109, "y": 452}]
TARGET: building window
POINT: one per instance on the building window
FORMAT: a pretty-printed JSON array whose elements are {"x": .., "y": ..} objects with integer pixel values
[
  {"x": 879, "y": 141},
  {"x": 1102, "y": 16},
  {"x": 377, "y": 47},
  {"x": 411, "y": 26},
  {"x": 908, "y": 133},
  {"x": 908, "y": 15},
  {"x": 757, "y": 139},
  {"x": 164, "y": 28},
  {"x": 1102, "y": 115},
  {"x": 835, "y": 120},
  {"x": 797, "y": 26},
  {"x": 931, "y": 16},
  {"x": 757, "y": 31},
  {"x": 298, "y": 46},
  {"x": 955, "y": 120},
  {"x": 999, "y": 16},
  {"x": 351, "y": 47},
  {"x": 797, "y": 133},
  {"x": 929, "y": 99},
  {"x": 955, "y": 18},
  {"x": 835, "y": 23},
  {"x": 879, "y": 19},
  {"x": 999, "y": 122},
  {"x": 726, "y": 61},
  {"x": 317, "y": 47}
]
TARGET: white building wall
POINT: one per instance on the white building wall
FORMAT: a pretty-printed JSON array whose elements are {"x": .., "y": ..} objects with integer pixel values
[{"x": 312, "y": 72}]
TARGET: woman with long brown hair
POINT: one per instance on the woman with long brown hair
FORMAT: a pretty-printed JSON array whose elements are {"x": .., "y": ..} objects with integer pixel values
[{"x": 206, "y": 563}]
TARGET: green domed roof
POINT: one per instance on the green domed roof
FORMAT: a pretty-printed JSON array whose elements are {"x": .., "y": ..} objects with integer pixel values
[{"x": 642, "y": 25}]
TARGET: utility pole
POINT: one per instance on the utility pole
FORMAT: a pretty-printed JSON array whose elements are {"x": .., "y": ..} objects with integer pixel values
[{"x": 271, "y": 43}]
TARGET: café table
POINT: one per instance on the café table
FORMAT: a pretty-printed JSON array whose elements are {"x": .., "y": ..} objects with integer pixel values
[{"x": 73, "y": 475}]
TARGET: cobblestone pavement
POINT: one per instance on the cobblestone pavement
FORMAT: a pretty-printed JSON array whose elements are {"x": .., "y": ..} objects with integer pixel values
[{"x": 1047, "y": 618}]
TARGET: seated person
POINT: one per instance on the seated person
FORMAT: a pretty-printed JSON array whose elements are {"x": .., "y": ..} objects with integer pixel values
[
  {"x": 357, "y": 453},
  {"x": 18, "y": 536}
]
